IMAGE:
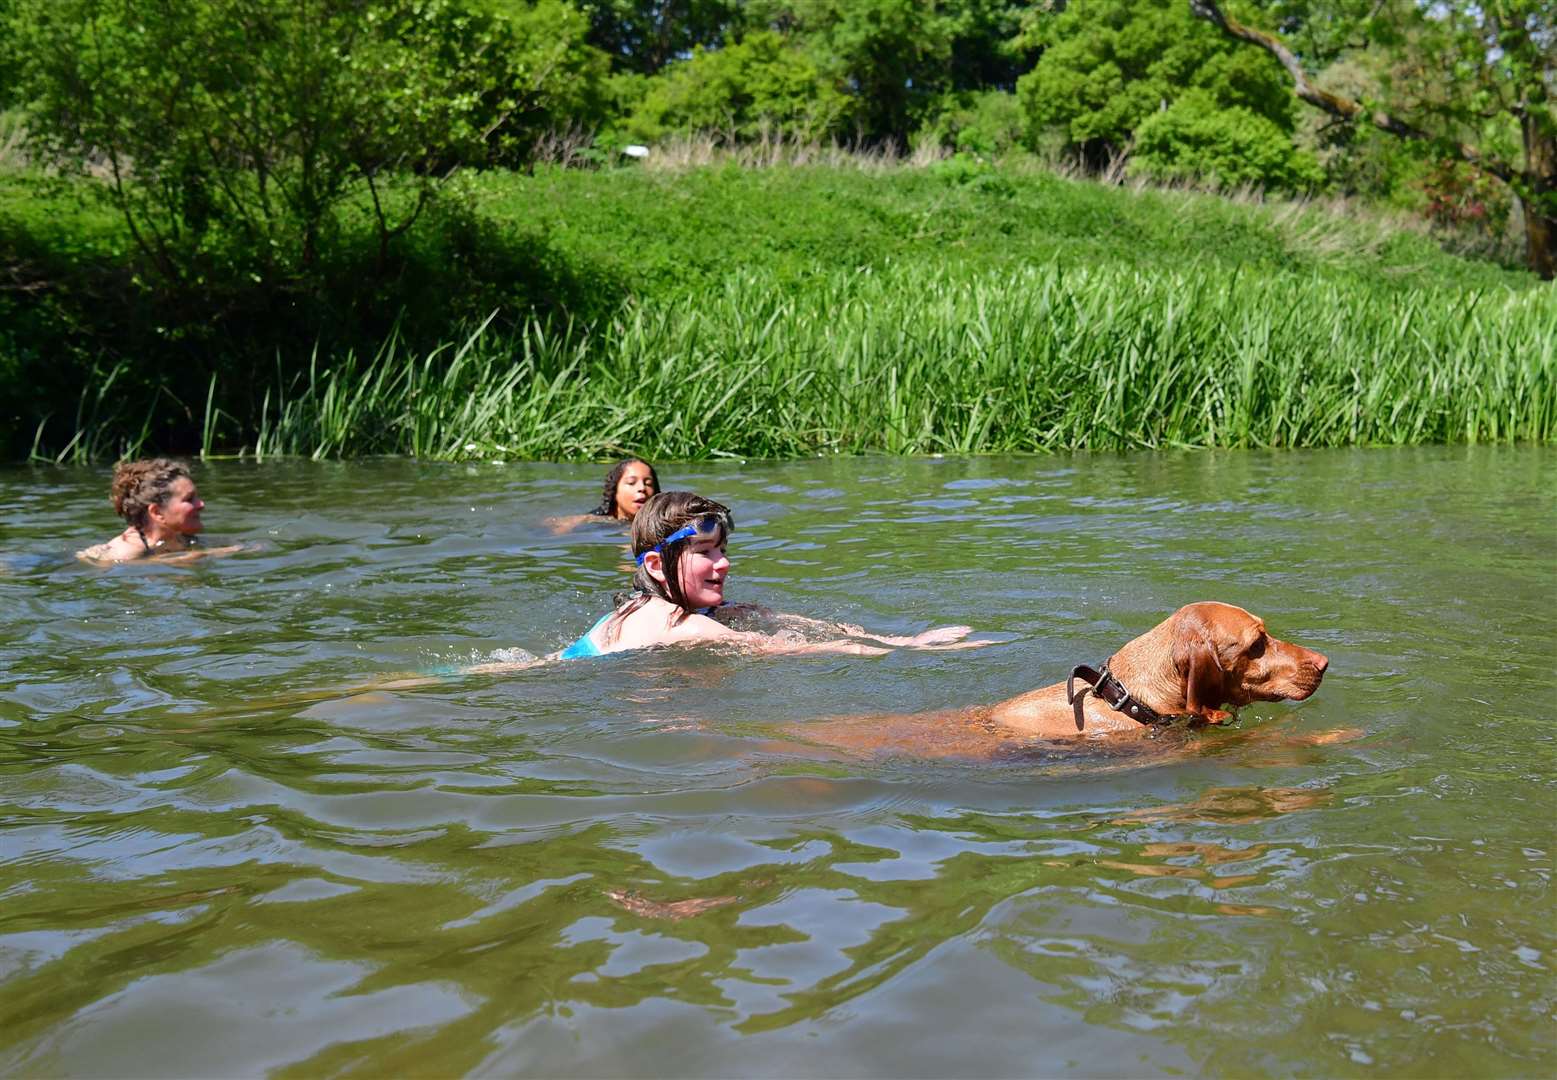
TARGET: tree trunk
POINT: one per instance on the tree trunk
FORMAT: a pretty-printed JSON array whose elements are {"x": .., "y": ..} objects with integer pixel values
[{"x": 1538, "y": 195}]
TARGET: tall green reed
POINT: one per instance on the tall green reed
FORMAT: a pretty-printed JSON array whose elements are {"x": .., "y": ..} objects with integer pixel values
[
  {"x": 101, "y": 428},
  {"x": 917, "y": 359}
]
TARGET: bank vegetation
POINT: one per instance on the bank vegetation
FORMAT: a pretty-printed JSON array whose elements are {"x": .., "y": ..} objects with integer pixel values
[{"x": 221, "y": 221}]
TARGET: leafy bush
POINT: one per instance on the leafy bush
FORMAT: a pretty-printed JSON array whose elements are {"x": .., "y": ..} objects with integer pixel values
[
  {"x": 987, "y": 123},
  {"x": 895, "y": 58},
  {"x": 1192, "y": 139},
  {"x": 756, "y": 86},
  {"x": 965, "y": 170},
  {"x": 76, "y": 308},
  {"x": 1110, "y": 64}
]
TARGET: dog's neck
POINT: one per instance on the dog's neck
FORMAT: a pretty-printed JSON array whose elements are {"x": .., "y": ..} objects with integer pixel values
[{"x": 1144, "y": 667}]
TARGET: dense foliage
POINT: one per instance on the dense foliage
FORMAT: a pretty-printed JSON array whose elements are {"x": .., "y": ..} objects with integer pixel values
[
  {"x": 1109, "y": 65},
  {"x": 619, "y": 246},
  {"x": 1468, "y": 83},
  {"x": 234, "y": 131},
  {"x": 759, "y": 85},
  {"x": 203, "y": 200},
  {"x": 188, "y": 89}
]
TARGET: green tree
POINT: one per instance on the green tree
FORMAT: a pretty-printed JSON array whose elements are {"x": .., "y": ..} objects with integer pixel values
[
  {"x": 759, "y": 84},
  {"x": 1108, "y": 65},
  {"x": 644, "y": 35},
  {"x": 1232, "y": 146},
  {"x": 896, "y": 58},
  {"x": 537, "y": 71},
  {"x": 1471, "y": 81},
  {"x": 245, "y": 126}
]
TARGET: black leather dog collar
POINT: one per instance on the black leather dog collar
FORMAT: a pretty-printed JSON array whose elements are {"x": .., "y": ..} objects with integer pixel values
[{"x": 1101, "y": 684}]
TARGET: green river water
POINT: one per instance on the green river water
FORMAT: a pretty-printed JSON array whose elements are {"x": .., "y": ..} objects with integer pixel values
[{"x": 218, "y": 859}]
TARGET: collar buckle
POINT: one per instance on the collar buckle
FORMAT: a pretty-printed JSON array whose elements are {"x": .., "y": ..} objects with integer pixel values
[{"x": 1103, "y": 685}]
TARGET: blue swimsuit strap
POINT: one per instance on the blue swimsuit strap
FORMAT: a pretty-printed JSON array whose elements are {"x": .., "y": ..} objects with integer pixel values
[{"x": 586, "y": 647}]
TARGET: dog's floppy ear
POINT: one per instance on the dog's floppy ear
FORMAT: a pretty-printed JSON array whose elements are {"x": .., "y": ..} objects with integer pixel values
[{"x": 1195, "y": 657}]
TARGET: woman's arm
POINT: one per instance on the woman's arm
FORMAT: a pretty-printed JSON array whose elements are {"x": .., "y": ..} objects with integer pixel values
[{"x": 199, "y": 553}]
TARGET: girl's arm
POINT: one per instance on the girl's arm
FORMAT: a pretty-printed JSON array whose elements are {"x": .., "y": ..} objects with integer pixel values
[
  {"x": 701, "y": 628},
  {"x": 938, "y": 637},
  {"x": 560, "y": 525}
]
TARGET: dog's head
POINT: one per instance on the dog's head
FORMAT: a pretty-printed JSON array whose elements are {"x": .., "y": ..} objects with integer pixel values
[{"x": 1225, "y": 657}]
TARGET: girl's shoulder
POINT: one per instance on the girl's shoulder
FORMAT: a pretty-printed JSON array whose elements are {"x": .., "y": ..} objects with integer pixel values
[{"x": 659, "y": 622}]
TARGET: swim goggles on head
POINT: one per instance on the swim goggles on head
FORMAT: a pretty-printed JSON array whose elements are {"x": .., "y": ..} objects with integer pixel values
[{"x": 708, "y": 523}]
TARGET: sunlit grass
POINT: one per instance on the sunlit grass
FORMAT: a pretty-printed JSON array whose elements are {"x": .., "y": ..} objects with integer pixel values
[{"x": 917, "y": 360}]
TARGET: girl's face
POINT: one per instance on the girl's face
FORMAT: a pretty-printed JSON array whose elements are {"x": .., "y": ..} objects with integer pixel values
[
  {"x": 180, "y": 511},
  {"x": 702, "y": 570},
  {"x": 633, "y": 489}
]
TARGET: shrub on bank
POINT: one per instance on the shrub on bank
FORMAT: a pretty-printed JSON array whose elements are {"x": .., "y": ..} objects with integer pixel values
[
  {"x": 80, "y": 305},
  {"x": 1230, "y": 147},
  {"x": 750, "y": 88}
]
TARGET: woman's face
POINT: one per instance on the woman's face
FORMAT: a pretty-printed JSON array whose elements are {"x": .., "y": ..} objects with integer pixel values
[
  {"x": 702, "y": 570},
  {"x": 633, "y": 489},
  {"x": 180, "y": 511}
]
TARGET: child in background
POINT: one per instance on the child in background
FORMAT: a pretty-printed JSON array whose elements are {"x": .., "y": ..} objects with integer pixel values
[{"x": 628, "y": 485}]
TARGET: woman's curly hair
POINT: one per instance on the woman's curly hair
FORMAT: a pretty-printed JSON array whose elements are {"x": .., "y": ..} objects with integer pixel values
[
  {"x": 607, "y": 507},
  {"x": 139, "y": 485}
]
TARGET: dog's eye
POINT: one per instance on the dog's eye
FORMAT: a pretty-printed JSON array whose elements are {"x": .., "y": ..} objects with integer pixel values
[{"x": 1257, "y": 650}]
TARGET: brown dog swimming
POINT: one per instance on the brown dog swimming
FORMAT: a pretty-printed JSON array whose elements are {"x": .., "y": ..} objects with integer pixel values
[
  {"x": 1199, "y": 658},
  {"x": 1203, "y": 656}
]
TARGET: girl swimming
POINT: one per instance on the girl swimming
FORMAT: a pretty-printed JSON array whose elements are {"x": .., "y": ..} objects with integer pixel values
[
  {"x": 157, "y": 497},
  {"x": 629, "y": 484},
  {"x": 678, "y": 543}
]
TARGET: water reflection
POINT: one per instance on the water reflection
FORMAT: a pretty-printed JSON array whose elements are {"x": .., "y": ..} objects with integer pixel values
[{"x": 1234, "y": 805}]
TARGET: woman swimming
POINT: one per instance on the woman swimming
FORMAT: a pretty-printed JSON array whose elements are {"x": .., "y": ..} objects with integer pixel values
[
  {"x": 157, "y": 497},
  {"x": 678, "y": 542},
  {"x": 629, "y": 484}
]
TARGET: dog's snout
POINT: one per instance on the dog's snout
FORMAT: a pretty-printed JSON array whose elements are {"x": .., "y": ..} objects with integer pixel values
[{"x": 1320, "y": 661}]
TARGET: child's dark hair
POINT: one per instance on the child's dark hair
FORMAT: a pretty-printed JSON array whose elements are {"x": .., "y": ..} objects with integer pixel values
[
  {"x": 139, "y": 485},
  {"x": 662, "y": 515},
  {"x": 607, "y": 507}
]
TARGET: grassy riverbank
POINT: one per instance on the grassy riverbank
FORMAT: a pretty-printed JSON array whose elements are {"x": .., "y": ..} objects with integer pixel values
[
  {"x": 923, "y": 359},
  {"x": 784, "y": 311}
]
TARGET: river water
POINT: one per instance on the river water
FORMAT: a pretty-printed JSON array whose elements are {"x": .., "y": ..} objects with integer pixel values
[{"x": 220, "y": 858}]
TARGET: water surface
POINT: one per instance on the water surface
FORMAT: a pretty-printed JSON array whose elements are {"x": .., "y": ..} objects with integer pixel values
[{"x": 219, "y": 860}]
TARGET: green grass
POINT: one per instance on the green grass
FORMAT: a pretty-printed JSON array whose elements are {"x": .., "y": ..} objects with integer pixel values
[
  {"x": 791, "y": 310},
  {"x": 920, "y": 359},
  {"x": 665, "y": 234}
]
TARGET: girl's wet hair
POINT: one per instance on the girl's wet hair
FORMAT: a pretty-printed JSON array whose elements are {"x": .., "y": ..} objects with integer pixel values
[
  {"x": 139, "y": 485},
  {"x": 607, "y": 507},
  {"x": 664, "y": 514}
]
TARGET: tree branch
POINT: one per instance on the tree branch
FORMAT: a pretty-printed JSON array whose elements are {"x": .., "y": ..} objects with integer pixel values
[{"x": 1343, "y": 107}]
